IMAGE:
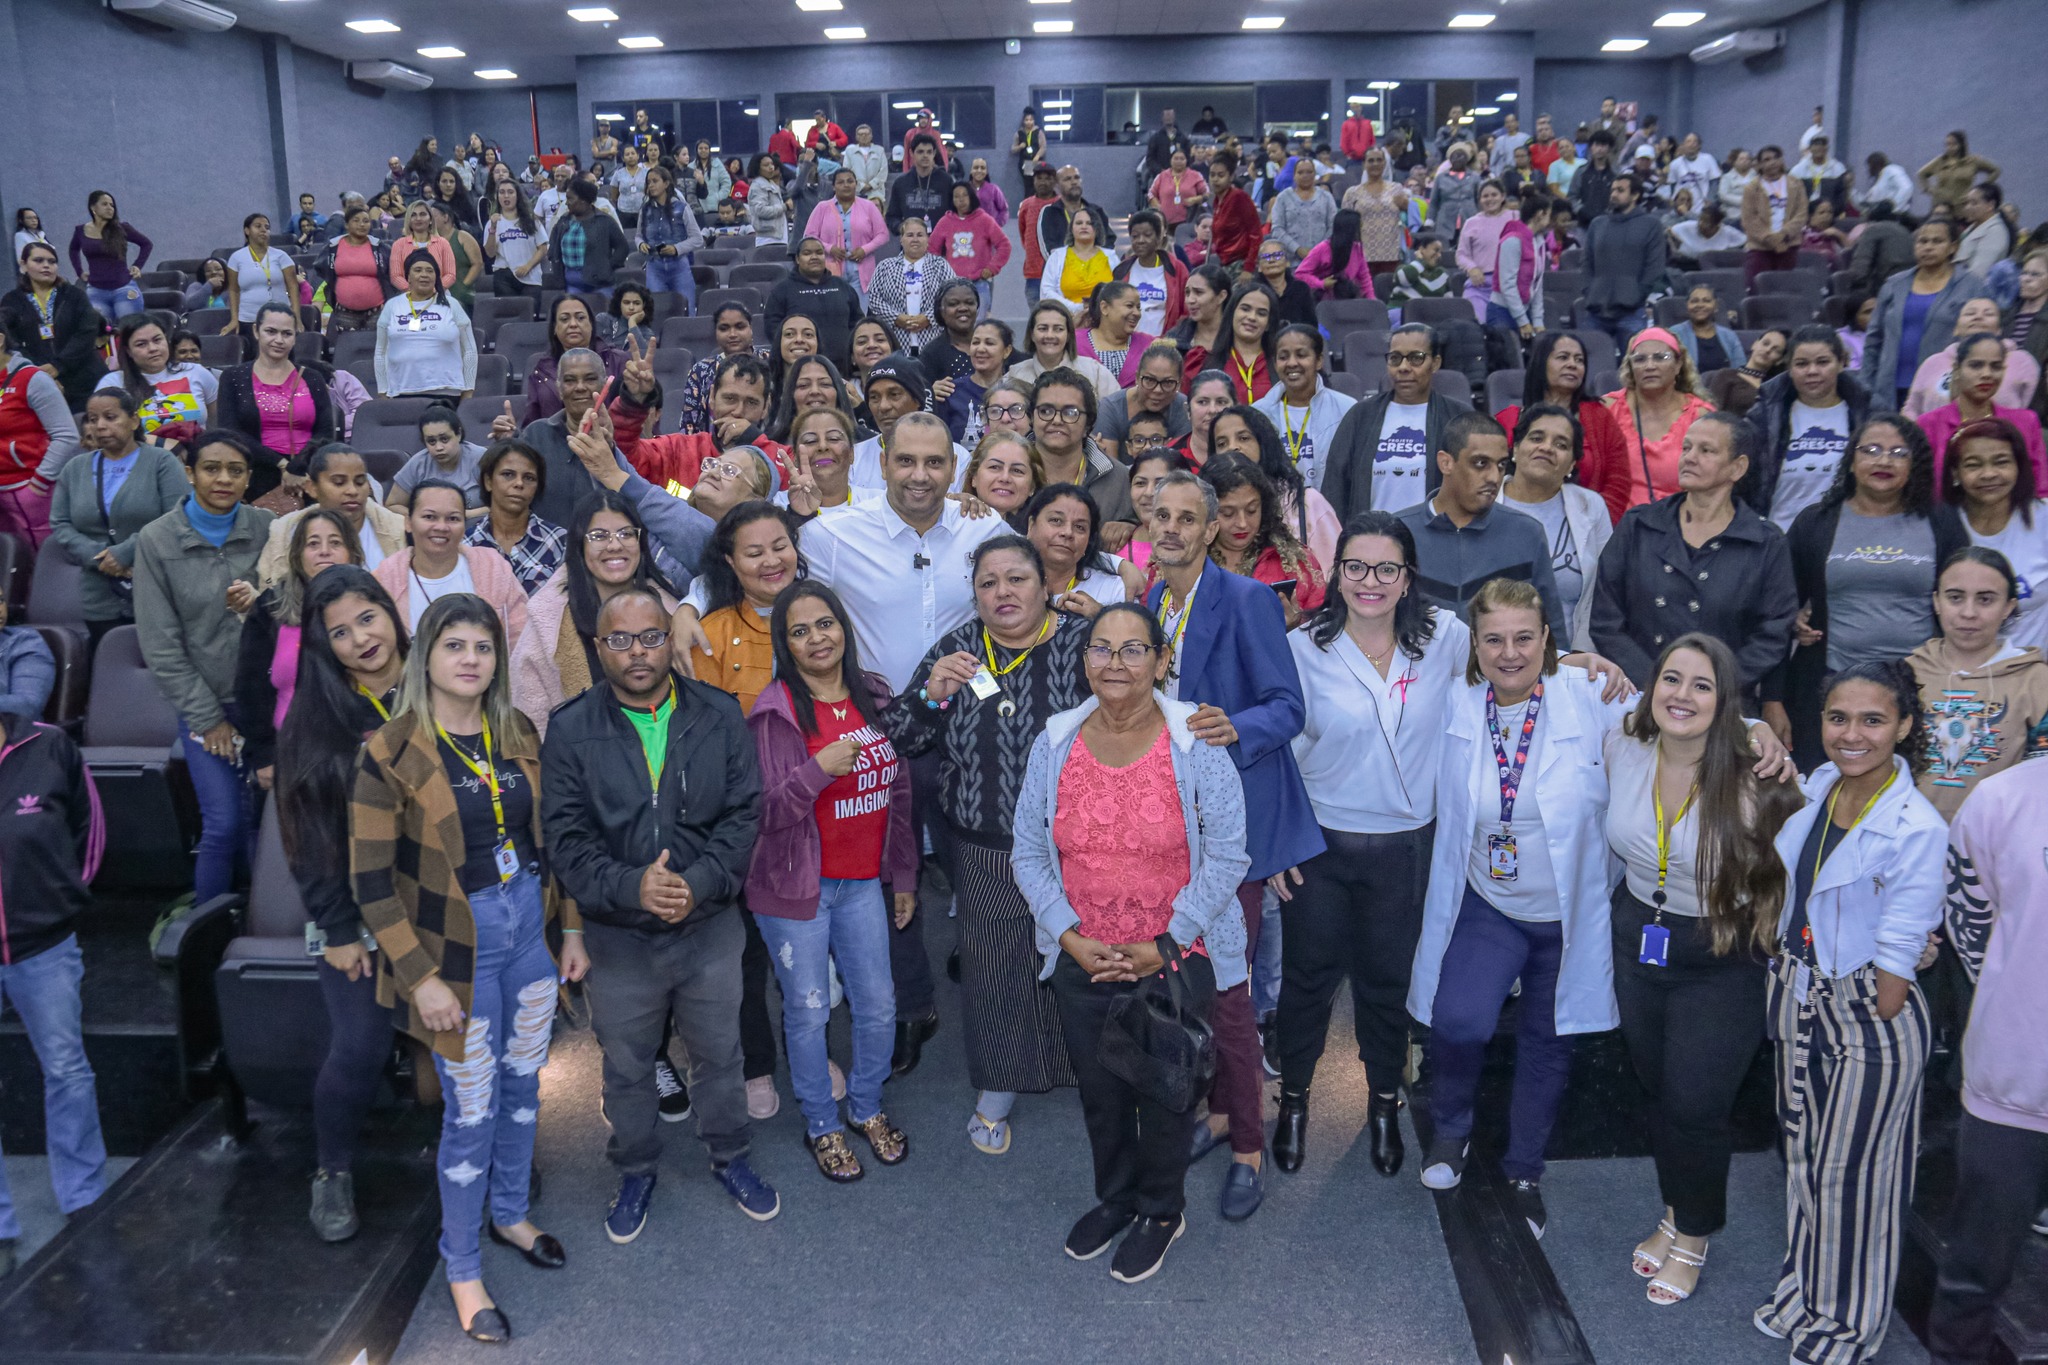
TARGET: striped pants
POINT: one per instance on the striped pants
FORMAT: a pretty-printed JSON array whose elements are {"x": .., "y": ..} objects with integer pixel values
[{"x": 1849, "y": 1106}]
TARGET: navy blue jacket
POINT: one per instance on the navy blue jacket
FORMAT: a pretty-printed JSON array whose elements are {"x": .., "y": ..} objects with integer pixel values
[{"x": 1234, "y": 656}]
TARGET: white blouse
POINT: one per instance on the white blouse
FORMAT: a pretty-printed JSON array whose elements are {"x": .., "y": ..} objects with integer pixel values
[{"x": 1632, "y": 829}]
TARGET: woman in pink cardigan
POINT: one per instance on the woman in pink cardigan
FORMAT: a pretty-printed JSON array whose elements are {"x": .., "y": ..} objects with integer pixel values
[
  {"x": 972, "y": 242},
  {"x": 1974, "y": 384},
  {"x": 850, "y": 227},
  {"x": 1337, "y": 257},
  {"x": 438, "y": 564}
]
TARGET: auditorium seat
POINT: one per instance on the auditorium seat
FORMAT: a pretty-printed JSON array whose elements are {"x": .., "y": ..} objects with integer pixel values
[
  {"x": 1805, "y": 283},
  {"x": 748, "y": 297},
  {"x": 349, "y": 347},
  {"x": 1728, "y": 285},
  {"x": 1345, "y": 315},
  {"x": 521, "y": 337},
  {"x": 1452, "y": 384},
  {"x": 131, "y": 734},
  {"x": 1367, "y": 345},
  {"x": 1723, "y": 260},
  {"x": 669, "y": 304},
  {"x": 1504, "y": 390},
  {"x": 163, "y": 296},
  {"x": 205, "y": 322},
  {"x": 66, "y": 706},
  {"x": 308, "y": 346},
  {"x": 1600, "y": 352},
  {"x": 188, "y": 266},
  {"x": 764, "y": 275},
  {"x": 217, "y": 352},
  {"x": 671, "y": 368},
  {"x": 694, "y": 332},
  {"x": 370, "y": 434},
  {"x": 53, "y": 590},
  {"x": 479, "y": 412},
  {"x": 1345, "y": 382},
  {"x": 1434, "y": 311},
  {"x": 1669, "y": 311},
  {"x": 1764, "y": 311},
  {"x": 489, "y": 312},
  {"x": 492, "y": 371}
]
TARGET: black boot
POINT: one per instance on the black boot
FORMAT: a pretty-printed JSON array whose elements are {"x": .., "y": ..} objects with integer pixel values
[
  {"x": 911, "y": 1036},
  {"x": 1290, "y": 1134},
  {"x": 1383, "y": 1122}
]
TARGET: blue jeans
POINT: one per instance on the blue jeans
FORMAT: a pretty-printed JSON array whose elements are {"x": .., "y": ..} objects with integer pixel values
[
  {"x": 44, "y": 991},
  {"x": 227, "y": 817},
  {"x": 673, "y": 275},
  {"x": 1487, "y": 952},
  {"x": 1032, "y": 288},
  {"x": 493, "y": 1094},
  {"x": 985, "y": 291},
  {"x": 1266, "y": 962},
  {"x": 1621, "y": 328},
  {"x": 852, "y": 928},
  {"x": 572, "y": 282},
  {"x": 115, "y": 304}
]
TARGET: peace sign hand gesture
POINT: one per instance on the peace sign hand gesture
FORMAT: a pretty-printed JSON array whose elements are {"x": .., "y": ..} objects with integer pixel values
[{"x": 639, "y": 371}]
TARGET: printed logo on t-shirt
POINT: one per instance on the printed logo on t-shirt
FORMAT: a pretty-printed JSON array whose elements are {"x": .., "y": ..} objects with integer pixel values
[
  {"x": 175, "y": 400},
  {"x": 1816, "y": 450},
  {"x": 1880, "y": 554},
  {"x": 963, "y": 245},
  {"x": 1150, "y": 295},
  {"x": 1402, "y": 443},
  {"x": 1962, "y": 736},
  {"x": 873, "y": 772}
]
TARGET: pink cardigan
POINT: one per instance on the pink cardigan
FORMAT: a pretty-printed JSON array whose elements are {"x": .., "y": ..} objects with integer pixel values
[
  {"x": 1942, "y": 423},
  {"x": 870, "y": 233},
  {"x": 494, "y": 579},
  {"x": 972, "y": 244},
  {"x": 1084, "y": 346},
  {"x": 1315, "y": 267}
]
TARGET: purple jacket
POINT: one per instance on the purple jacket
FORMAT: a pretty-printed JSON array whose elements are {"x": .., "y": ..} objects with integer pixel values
[
  {"x": 992, "y": 202},
  {"x": 783, "y": 878}
]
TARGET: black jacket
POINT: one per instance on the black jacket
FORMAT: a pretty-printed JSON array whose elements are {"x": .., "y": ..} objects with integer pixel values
[
  {"x": 1347, "y": 468},
  {"x": 325, "y": 270},
  {"x": 50, "y": 842},
  {"x": 604, "y": 827},
  {"x": 1298, "y": 304},
  {"x": 912, "y": 196},
  {"x": 255, "y": 693},
  {"x": 327, "y": 892},
  {"x": 604, "y": 247},
  {"x": 74, "y": 350},
  {"x": 1052, "y": 227},
  {"x": 1882, "y": 250},
  {"x": 1159, "y": 149},
  {"x": 1590, "y": 189},
  {"x": 830, "y": 302},
  {"x": 1771, "y": 415},
  {"x": 2037, "y": 347},
  {"x": 1652, "y": 588},
  {"x": 238, "y": 410},
  {"x": 1625, "y": 260},
  {"x": 1797, "y": 683}
]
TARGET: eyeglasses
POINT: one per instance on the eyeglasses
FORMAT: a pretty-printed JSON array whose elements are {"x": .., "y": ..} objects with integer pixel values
[
  {"x": 1005, "y": 412},
  {"x": 1158, "y": 384},
  {"x": 619, "y": 641},
  {"x": 1871, "y": 450},
  {"x": 1146, "y": 442},
  {"x": 1655, "y": 357},
  {"x": 597, "y": 535},
  {"x": 1397, "y": 359},
  {"x": 725, "y": 469},
  {"x": 1131, "y": 655},
  {"x": 1356, "y": 570},
  {"x": 1046, "y": 412}
]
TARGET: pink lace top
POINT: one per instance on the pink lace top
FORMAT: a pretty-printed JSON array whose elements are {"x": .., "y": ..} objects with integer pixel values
[{"x": 1122, "y": 842}]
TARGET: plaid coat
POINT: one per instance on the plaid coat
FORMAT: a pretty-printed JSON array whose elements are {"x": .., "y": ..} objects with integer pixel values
[{"x": 406, "y": 856}]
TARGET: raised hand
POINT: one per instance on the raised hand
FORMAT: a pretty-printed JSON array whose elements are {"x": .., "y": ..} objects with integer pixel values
[
  {"x": 504, "y": 426},
  {"x": 639, "y": 372}
]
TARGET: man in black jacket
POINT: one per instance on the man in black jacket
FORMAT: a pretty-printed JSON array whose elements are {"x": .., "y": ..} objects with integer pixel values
[
  {"x": 1383, "y": 452},
  {"x": 923, "y": 190},
  {"x": 1159, "y": 148},
  {"x": 650, "y": 799},
  {"x": 1625, "y": 262},
  {"x": 1595, "y": 180},
  {"x": 1054, "y": 218},
  {"x": 813, "y": 291}
]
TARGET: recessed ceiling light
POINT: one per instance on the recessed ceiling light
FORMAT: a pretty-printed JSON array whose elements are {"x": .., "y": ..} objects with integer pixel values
[
  {"x": 645, "y": 41},
  {"x": 1679, "y": 18},
  {"x": 596, "y": 14},
  {"x": 372, "y": 26},
  {"x": 1059, "y": 104},
  {"x": 907, "y": 104},
  {"x": 1486, "y": 110},
  {"x": 495, "y": 73},
  {"x": 442, "y": 52},
  {"x": 752, "y": 112},
  {"x": 1383, "y": 85},
  {"x": 1471, "y": 20},
  {"x": 850, "y": 33},
  {"x": 1264, "y": 21},
  {"x": 1052, "y": 26},
  {"x": 1624, "y": 44},
  {"x": 1052, "y": 2},
  {"x": 816, "y": 6},
  {"x": 1506, "y": 97}
]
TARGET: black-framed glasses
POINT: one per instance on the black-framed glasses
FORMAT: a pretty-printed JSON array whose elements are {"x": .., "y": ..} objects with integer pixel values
[
  {"x": 1358, "y": 570},
  {"x": 1157, "y": 383},
  {"x": 619, "y": 641},
  {"x": 1005, "y": 412},
  {"x": 598, "y": 535},
  {"x": 1131, "y": 655},
  {"x": 1396, "y": 359},
  {"x": 1046, "y": 412},
  {"x": 1871, "y": 450},
  {"x": 1146, "y": 442}
]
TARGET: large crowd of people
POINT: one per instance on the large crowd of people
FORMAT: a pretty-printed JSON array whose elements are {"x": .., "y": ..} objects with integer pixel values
[{"x": 1673, "y": 695}]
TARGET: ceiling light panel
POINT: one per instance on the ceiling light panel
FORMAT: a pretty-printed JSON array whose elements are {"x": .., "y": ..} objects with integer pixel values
[
  {"x": 819, "y": 6},
  {"x": 1471, "y": 20},
  {"x": 372, "y": 26},
  {"x": 595, "y": 14},
  {"x": 1052, "y": 26},
  {"x": 1624, "y": 44},
  {"x": 640, "y": 44},
  {"x": 1264, "y": 21},
  {"x": 1679, "y": 18},
  {"x": 848, "y": 34},
  {"x": 442, "y": 53},
  {"x": 495, "y": 73}
]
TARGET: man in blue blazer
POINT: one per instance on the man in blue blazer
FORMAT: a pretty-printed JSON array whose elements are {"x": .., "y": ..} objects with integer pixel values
[{"x": 1228, "y": 638}]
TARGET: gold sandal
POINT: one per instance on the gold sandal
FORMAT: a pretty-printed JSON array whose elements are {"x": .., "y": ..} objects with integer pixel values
[
  {"x": 1643, "y": 1262},
  {"x": 1676, "y": 1295},
  {"x": 888, "y": 1142},
  {"x": 836, "y": 1161}
]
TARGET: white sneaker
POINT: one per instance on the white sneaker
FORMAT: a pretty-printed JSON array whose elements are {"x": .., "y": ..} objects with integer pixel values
[{"x": 763, "y": 1100}]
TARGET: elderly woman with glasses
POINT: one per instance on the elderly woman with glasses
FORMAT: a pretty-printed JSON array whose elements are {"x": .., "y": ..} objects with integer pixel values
[{"x": 1657, "y": 403}]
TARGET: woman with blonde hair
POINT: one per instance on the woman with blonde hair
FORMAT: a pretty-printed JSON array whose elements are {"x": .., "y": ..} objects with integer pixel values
[{"x": 1658, "y": 401}]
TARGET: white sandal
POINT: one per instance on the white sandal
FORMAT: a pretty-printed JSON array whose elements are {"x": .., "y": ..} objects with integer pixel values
[
  {"x": 991, "y": 1136},
  {"x": 1677, "y": 1295},
  {"x": 1640, "y": 1259}
]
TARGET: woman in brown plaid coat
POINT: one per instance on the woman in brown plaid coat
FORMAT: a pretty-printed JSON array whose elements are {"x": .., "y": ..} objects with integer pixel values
[{"x": 446, "y": 858}]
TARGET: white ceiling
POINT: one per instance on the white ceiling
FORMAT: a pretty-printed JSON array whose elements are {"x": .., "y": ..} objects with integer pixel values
[{"x": 537, "y": 39}]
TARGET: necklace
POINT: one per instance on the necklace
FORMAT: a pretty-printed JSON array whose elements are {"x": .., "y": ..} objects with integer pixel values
[{"x": 838, "y": 711}]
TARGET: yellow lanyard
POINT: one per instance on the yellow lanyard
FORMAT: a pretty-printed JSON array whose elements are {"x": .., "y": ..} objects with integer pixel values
[
  {"x": 1180, "y": 626},
  {"x": 1244, "y": 372},
  {"x": 372, "y": 698},
  {"x": 990, "y": 646},
  {"x": 262, "y": 265},
  {"x": 1820, "y": 854},
  {"x": 414, "y": 309},
  {"x": 1294, "y": 438},
  {"x": 1664, "y": 830},
  {"x": 488, "y": 772}
]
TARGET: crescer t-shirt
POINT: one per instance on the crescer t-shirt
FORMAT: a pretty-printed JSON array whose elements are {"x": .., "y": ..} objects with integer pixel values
[
  {"x": 1819, "y": 436},
  {"x": 1398, "y": 476}
]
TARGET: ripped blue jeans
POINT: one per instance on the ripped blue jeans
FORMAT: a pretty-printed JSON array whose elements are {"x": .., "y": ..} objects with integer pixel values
[
  {"x": 492, "y": 1095},
  {"x": 851, "y": 928}
]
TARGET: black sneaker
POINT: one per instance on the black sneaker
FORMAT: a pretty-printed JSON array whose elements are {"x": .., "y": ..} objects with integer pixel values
[
  {"x": 675, "y": 1100},
  {"x": 1096, "y": 1230},
  {"x": 1444, "y": 1167},
  {"x": 1269, "y": 1044},
  {"x": 334, "y": 1206},
  {"x": 1143, "y": 1250},
  {"x": 1527, "y": 1197}
]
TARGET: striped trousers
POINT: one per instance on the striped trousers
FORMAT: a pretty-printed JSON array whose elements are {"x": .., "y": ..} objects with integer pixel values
[{"x": 1849, "y": 1107}]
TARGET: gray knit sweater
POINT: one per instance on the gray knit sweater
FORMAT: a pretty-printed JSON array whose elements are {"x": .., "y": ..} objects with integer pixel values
[{"x": 1300, "y": 225}]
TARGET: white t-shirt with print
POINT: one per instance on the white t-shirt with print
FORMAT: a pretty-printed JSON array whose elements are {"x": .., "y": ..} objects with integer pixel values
[
  {"x": 1814, "y": 452},
  {"x": 184, "y": 392},
  {"x": 425, "y": 590},
  {"x": 1400, "y": 475},
  {"x": 2026, "y": 549},
  {"x": 1150, "y": 282}
]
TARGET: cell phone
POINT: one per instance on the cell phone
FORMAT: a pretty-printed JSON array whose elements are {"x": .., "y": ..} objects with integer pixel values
[{"x": 1286, "y": 586}]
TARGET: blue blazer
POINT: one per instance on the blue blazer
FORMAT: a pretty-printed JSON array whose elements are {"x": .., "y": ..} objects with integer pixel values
[{"x": 1234, "y": 656}]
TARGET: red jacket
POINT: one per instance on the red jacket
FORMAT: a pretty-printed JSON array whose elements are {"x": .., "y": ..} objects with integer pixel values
[
  {"x": 1028, "y": 210},
  {"x": 829, "y": 132},
  {"x": 1176, "y": 285},
  {"x": 1356, "y": 138},
  {"x": 662, "y": 460},
  {"x": 23, "y": 438},
  {"x": 784, "y": 147},
  {"x": 1235, "y": 229},
  {"x": 1542, "y": 155}
]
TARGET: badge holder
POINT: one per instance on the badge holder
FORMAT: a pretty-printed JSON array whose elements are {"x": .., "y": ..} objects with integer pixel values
[
  {"x": 983, "y": 684},
  {"x": 1500, "y": 856}
]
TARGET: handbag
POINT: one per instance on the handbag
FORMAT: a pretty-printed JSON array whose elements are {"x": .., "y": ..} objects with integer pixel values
[{"x": 1155, "y": 1042}]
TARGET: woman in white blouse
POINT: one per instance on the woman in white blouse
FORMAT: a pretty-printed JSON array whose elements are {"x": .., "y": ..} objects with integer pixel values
[
  {"x": 425, "y": 344},
  {"x": 1694, "y": 918},
  {"x": 1519, "y": 888}
]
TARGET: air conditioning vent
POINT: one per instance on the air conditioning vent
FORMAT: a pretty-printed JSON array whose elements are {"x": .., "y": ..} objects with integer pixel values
[
  {"x": 189, "y": 14},
  {"x": 390, "y": 75},
  {"x": 1747, "y": 42}
]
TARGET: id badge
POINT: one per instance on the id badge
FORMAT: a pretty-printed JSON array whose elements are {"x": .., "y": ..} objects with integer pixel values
[
  {"x": 508, "y": 861},
  {"x": 1656, "y": 946},
  {"x": 1802, "y": 981},
  {"x": 48, "y": 331},
  {"x": 983, "y": 684},
  {"x": 412, "y": 324},
  {"x": 1500, "y": 856}
]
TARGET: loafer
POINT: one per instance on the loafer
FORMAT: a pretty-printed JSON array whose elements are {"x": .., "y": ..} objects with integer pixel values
[
  {"x": 1290, "y": 1134},
  {"x": 1244, "y": 1189},
  {"x": 1096, "y": 1230},
  {"x": 545, "y": 1254},
  {"x": 487, "y": 1325},
  {"x": 1144, "y": 1248},
  {"x": 911, "y": 1036},
  {"x": 1203, "y": 1141},
  {"x": 629, "y": 1208},
  {"x": 1383, "y": 1126},
  {"x": 764, "y": 1101}
]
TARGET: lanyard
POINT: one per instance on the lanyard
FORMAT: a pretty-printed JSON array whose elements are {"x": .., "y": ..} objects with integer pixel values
[
  {"x": 1179, "y": 622},
  {"x": 1511, "y": 775},
  {"x": 378, "y": 702},
  {"x": 413, "y": 325},
  {"x": 1244, "y": 372},
  {"x": 1664, "y": 830},
  {"x": 1294, "y": 438},
  {"x": 989, "y": 645},
  {"x": 1821, "y": 852},
  {"x": 488, "y": 772},
  {"x": 263, "y": 265}
]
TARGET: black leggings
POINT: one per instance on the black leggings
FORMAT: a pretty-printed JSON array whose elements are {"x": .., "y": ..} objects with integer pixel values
[{"x": 358, "y": 1046}]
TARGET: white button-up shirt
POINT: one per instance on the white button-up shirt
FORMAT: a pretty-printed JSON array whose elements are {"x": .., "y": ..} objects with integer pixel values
[{"x": 902, "y": 590}]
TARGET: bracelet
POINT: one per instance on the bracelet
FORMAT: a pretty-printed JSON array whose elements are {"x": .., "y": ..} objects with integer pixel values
[
  {"x": 572, "y": 931},
  {"x": 926, "y": 698}
]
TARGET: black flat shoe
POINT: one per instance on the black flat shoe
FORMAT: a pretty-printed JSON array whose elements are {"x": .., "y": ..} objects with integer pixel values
[
  {"x": 953, "y": 967},
  {"x": 1291, "y": 1133},
  {"x": 546, "y": 1253},
  {"x": 1383, "y": 1124},
  {"x": 487, "y": 1325},
  {"x": 911, "y": 1036}
]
